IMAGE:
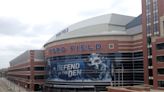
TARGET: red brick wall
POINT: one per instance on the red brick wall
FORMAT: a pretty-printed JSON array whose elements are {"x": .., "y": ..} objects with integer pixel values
[
  {"x": 144, "y": 42},
  {"x": 104, "y": 48},
  {"x": 128, "y": 46},
  {"x": 156, "y": 64},
  {"x": 161, "y": 7}
]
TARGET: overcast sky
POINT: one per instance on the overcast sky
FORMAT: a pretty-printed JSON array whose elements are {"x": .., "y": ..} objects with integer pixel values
[{"x": 28, "y": 24}]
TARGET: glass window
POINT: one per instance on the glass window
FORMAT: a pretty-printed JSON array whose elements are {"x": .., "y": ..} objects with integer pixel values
[
  {"x": 111, "y": 46},
  {"x": 138, "y": 54},
  {"x": 138, "y": 65},
  {"x": 149, "y": 40},
  {"x": 148, "y": 7},
  {"x": 39, "y": 77},
  {"x": 160, "y": 46},
  {"x": 126, "y": 55},
  {"x": 38, "y": 87},
  {"x": 114, "y": 61},
  {"x": 150, "y": 72},
  {"x": 156, "y": 27},
  {"x": 148, "y": 18},
  {"x": 149, "y": 51},
  {"x": 150, "y": 82},
  {"x": 138, "y": 76},
  {"x": 155, "y": 6},
  {"x": 160, "y": 58},
  {"x": 147, "y": 1},
  {"x": 148, "y": 29},
  {"x": 154, "y": 0},
  {"x": 38, "y": 68},
  {"x": 150, "y": 61},
  {"x": 160, "y": 83},
  {"x": 155, "y": 16},
  {"x": 161, "y": 71}
]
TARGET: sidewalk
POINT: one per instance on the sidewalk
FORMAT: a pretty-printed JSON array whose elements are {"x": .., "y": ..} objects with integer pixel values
[{"x": 13, "y": 87}]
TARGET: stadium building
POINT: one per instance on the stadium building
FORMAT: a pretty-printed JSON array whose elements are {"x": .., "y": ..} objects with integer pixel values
[
  {"x": 95, "y": 53},
  {"x": 108, "y": 50}
]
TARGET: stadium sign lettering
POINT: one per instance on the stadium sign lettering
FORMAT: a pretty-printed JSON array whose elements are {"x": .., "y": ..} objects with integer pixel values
[
  {"x": 69, "y": 69},
  {"x": 76, "y": 48}
]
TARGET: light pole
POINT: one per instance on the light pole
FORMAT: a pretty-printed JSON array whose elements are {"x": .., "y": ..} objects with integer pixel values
[
  {"x": 122, "y": 69},
  {"x": 112, "y": 72},
  {"x": 18, "y": 87},
  {"x": 121, "y": 75},
  {"x": 118, "y": 76}
]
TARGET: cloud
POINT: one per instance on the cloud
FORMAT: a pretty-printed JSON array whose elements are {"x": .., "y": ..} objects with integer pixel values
[
  {"x": 92, "y": 13},
  {"x": 44, "y": 11},
  {"x": 17, "y": 37},
  {"x": 50, "y": 28},
  {"x": 12, "y": 47},
  {"x": 13, "y": 27},
  {"x": 10, "y": 26},
  {"x": 113, "y": 6},
  {"x": 125, "y": 7},
  {"x": 28, "y": 24}
]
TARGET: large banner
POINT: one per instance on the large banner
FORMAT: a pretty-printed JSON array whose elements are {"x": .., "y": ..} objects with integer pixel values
[{"x": 93, "y": 68}]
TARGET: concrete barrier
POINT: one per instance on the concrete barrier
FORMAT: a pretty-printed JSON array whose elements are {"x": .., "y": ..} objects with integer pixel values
[{"x": 129, "y": 89}]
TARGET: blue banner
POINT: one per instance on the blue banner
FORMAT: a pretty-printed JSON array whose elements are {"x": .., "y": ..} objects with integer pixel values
[{"x": 93, "y": 68}]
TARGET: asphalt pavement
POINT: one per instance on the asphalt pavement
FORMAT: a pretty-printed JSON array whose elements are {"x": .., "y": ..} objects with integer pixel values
[
  {"x": 4, "y": 86},
  {"x": 7, "y": 86}
]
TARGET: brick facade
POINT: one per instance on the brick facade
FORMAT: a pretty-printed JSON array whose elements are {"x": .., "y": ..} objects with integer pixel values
[{"x": 23, "y": 74}]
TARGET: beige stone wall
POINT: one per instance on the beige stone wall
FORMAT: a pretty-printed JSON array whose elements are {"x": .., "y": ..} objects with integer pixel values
[
  {"x": 162, "y": 26},
  {"x": 138, "y": 36}
]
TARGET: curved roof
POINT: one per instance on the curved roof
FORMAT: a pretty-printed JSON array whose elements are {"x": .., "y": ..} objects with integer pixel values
[{"x": 109, "y": 24}]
